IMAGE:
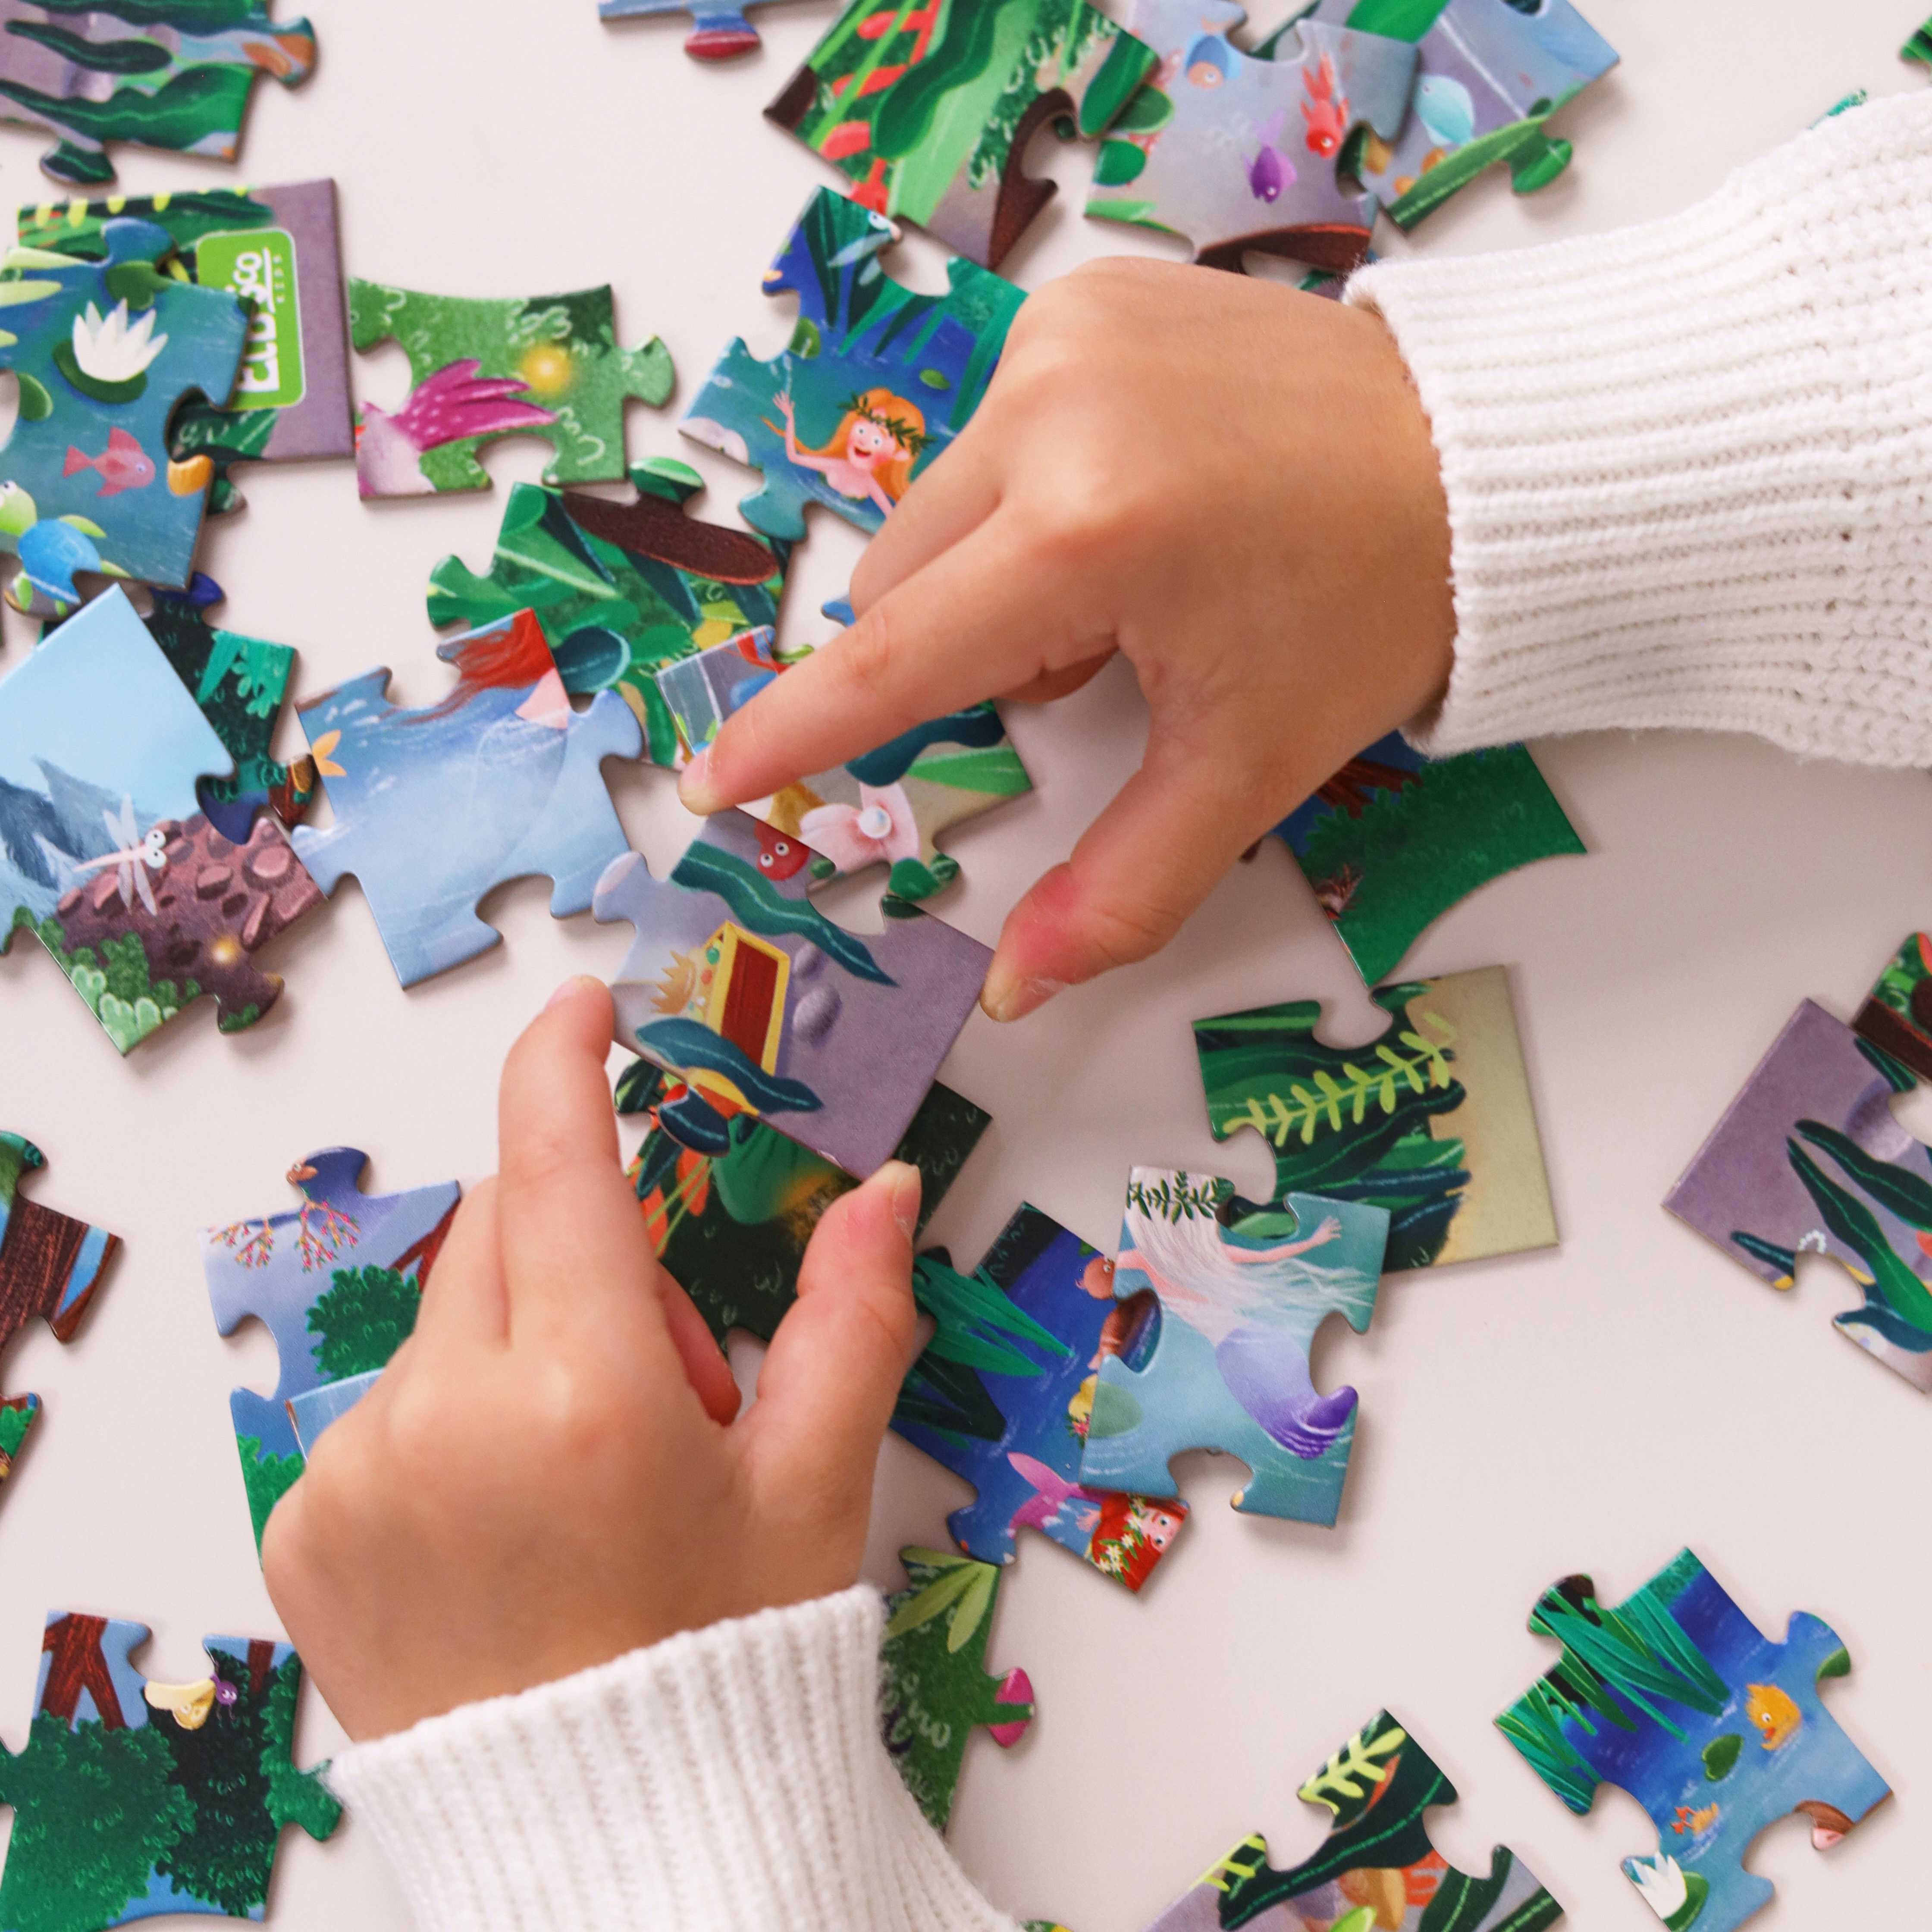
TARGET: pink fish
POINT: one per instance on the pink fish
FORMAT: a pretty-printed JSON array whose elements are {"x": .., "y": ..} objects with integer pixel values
[{"x": 123, "y": 465}]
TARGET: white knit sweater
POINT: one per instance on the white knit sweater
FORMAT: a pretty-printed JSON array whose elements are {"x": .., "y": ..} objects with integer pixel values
[{"x": 1688, "y": 468}]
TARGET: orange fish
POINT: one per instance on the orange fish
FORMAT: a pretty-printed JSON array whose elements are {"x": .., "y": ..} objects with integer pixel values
[
  {"x": 123, "y": 465},
  {"x": 1695, "y": 1823}
]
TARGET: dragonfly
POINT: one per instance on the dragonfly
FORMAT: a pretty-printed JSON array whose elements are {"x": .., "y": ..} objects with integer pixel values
[{"x": 134, "y": 858}]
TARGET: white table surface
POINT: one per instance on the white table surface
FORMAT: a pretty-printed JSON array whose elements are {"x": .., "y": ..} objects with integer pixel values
[{"x": 1591, "y": 1407}]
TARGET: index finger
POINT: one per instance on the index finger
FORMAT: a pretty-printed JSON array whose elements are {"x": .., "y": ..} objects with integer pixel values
[
  {"x": 976, "y": 620},
  {"x": 572, "y": 1242}
]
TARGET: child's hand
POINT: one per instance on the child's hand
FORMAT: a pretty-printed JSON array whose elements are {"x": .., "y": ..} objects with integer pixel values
[
  {"x": 547, "y": 1474},
  {"x": 1233, "y": 483}
]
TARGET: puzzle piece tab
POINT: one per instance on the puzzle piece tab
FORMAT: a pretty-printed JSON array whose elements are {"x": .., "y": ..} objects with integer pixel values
[
  {"x": 133, "y": 1797},
  {"x": 719, "y": 31},
  {"x": 174, "y": 77},
  {"x": 933, "y": 1685},
  {"x": 337, "y": 1281},
  {"x": 239, "y": 682},
  {"x": 1377, "y": 1868},
  {"x": 500, "y": 781},
  {"x": 731, "y": 1227},
  {"x": 105, "y": 351},
  {"x": 1489, "y": 74},
  {"x": 1002, "y": 1393},
  {"x": 886, "y": 808},
  {"x": 927, "y": 106},
  {"x": 621, "y": 589},
  {"x": 1919, "y": 45},
  {"x": 876, "y": 382},
  {"x": 1221, "y": 1362},
  {"x": 1433, "y": 1120},
  {"x": 759, "y": 1005},
  {"x": 1809, "y": 1159},
  {"x": 1235, "y": 153},
  {"x": 104, "y": 854},
  {"x": 544, "y": 365},
  {"x": 1676, "y": 1696},
  {"x": 49, "y": 1266},
  {"x": 276, "y": 248},
  {"x": 1394, "y": 839}
]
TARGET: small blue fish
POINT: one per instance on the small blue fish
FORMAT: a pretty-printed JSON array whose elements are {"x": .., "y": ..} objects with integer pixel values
[{"x": 1270, "y": 171}]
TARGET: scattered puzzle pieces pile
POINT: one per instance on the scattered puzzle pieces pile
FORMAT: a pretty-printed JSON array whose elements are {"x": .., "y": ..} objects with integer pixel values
[
  {"x": 933, "y": 1685},
  {"x": 1809, "y": 1159},
  {"x": 134, "y": 1798},
  {"x": 50, "y": 1267},
  {"x": 1676, "y": 1696},
  {"x": 337, "y": 1280}
]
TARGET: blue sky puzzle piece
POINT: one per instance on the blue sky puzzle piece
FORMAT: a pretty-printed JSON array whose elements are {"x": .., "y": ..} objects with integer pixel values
[
  {"x": 1228, "y": 1368},
  {"x": 434, "y": 807}
]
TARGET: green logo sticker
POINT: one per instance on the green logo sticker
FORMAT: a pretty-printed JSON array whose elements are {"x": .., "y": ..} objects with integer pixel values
[{"x": 260, "y": 263}]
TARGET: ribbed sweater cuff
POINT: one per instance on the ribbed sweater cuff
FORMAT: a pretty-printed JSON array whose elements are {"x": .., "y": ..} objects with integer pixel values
[
  {"x": 728, "y": 1777},
  {"x": 1689, "y": 464}
]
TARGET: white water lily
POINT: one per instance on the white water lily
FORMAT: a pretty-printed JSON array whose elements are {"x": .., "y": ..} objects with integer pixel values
[
  {"x": 1662, "y": 1883},
  {"x": 108, "y": 349}
]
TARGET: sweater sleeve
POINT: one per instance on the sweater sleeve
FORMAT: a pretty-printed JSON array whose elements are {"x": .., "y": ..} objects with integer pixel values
[
  {"x": 1689, "y": 463},
  {"x": 727, "y": 1777}
]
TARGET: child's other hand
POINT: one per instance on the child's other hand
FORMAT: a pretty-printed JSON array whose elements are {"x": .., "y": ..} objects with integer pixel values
[
  {"x": 548, "y": 1475},
  {"x": 1232, "y": 483}
]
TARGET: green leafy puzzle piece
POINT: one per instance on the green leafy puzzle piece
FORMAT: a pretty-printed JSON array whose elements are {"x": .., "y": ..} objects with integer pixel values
[
  {"x": 731, "y": 1227},
  {"x": 172, "y": 74},
  {"x": 1433, "y": 1120},
  {"x": 542, "y": 365},
  {"x": 104, "y": 352},
  {"x": 49, "y": 1266},
  {"x": 933, "y": 1684},
  {"x": 1376, "y": 1868},
  {"x": 134, "y": 1797},
  {"x": 621, "y": 589},
  {"x": 276, "y": 248}
]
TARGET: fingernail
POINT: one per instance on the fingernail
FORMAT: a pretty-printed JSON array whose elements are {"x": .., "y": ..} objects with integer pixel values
[
  {"x": 575, "y": 984},
  {"x": 1015, "y": 1001},
  {"x": 693, "y": 784},
  {"x": 907, "y": 1190}
]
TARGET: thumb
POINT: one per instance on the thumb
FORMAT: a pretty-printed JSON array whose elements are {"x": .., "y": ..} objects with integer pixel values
[
  {"x": 1139, "y": 869},
  {"x": 829, "y": 1381}
]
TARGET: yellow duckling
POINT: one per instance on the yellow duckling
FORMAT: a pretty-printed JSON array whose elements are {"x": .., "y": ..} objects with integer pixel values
[{"x": 1776, "y": 1717}]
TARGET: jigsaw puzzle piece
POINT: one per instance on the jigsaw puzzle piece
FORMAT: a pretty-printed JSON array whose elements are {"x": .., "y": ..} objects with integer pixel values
[
  {"x": 1489, "y": 76},
  {"x": 187, "y": 71},
  {"x": 1377, "y": 1868},
  {"x": 875, "y": 383},
  {"x": 1676, "y": 1696},
  {"x": 50, "y": 1266},
  {"x": 731, "y": 1227},
  {"x": 1002, "y": 1393},
  {"x": 134, "y": 1797},
  {"x": 718, "y": 30},
  {"x": 432, "y": 807},
  {"x": 926, "y": 107},
  {"x": 1809, "y": 1159},
  {"x": 739, "y": 986},
  {"x": 1919, "y": 46},
  {"x": 337, "y": 1280},
  {"x": 104, "y": 854},
  {"x": 621, "y": 589},
  {"x": 933, "y": 1685},
  {"x": 1432, "y": 1121},
  {"x": 104, "y": 352},
  {"x": 1393, "y": 840},
  {"x": 239, "y": 683},
  {"x": 1234, "y": 152},
  {"x": 546, "y": 366},
  {"x": 275, "y": 247},
  {"x": 1224, "y": 1364},
  {"x": 886, "y": 808}
]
